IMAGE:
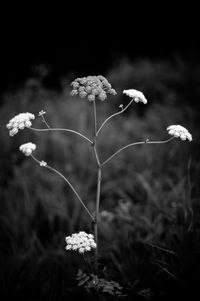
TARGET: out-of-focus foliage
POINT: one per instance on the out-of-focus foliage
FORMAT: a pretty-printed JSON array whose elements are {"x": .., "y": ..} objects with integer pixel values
[
  {"x": 149, "y": 221},
  {"x": 93, "y": 284}
]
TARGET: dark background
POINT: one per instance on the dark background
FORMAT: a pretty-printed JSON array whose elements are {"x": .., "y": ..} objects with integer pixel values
[
  {"x": 149, "y": 223},
  {"x": 93, "y": 38}
]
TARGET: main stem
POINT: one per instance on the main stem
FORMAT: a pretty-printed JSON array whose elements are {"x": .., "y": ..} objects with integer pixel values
[
  {"x": 98, "y": 181},
  {"x": 97, "y": 209}
]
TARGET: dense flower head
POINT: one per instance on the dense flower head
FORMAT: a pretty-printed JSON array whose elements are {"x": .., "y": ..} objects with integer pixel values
[
  {"x": 19, "y": 122},
  {"x": 81, "y": 242},
  {"x": 92, "y": 87},
  {"x": 179, "y": 131},
  {"x": 27, "y": 148},
  {"x": 136, "y": 95}
]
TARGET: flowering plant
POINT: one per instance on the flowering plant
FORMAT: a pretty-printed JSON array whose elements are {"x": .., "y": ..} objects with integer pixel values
[{"x": 92, "y": 88}]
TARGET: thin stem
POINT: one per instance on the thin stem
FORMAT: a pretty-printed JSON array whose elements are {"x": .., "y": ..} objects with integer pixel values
[
  {"x": 67, "y": 181},
  {"x": 60, "y": 129},
  {"x": 98, "y": 183},
  {"x": 96, "y": 155},
  {"x": 95, "y": 118},
  {"x": 44, "y": 120},
  {"x": 133, "y": 144},
  {"x": 161, "y": 248},
  {"x": 97, "y": 133},
  {"x": 97, "y": 209}
]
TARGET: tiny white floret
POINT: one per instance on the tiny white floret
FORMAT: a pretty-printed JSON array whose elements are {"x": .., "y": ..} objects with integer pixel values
[
  {"x": 41, "y": 113},
  {"x": 43, "y": 163},
  {"x": 68, "y": 247}
]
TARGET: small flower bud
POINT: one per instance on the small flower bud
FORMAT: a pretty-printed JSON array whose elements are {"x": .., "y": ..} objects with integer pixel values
[
  {"x": 41, "y": 113},
  {"x": 91, "y": 97},
  {"x": 88, "y": 89},
  {"x": 43, "y": 163},
  {"x": 95, "y": 92},
  {"x": 82, "y": 94},
  {"x": 102, "y": 96},
  {"x": 74, "y": 92}
]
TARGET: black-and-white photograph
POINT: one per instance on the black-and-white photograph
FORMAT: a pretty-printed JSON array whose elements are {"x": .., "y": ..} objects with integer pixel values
[{"x": 99, "y": 156}]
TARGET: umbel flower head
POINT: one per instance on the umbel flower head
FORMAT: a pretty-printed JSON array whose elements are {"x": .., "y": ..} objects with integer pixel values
[
  {"x": 136, "y": 95},
  {"x": 179, "y": 131},
  {"x": 27, "y": 148},
  {"x": 92, "y": 87},
  {"x": 19, "y": 122},
  {"x": 81, "y": 242}
]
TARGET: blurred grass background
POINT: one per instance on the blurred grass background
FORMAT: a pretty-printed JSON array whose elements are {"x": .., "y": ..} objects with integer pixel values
[{"x": 150, "y": 210}]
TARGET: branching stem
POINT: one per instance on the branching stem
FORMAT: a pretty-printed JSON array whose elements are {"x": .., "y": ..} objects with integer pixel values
[
  {"x": 44, "y": 120},
  {"x": 68, "y": 182},
  {"x": 133, "y": 144},
  {"x": 65, "y": 130},
  {"x": 113, "y": 115}
]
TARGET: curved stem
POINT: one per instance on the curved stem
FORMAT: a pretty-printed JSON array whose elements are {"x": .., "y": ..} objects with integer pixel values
[
  {"x": 44, "y": 120},
  {"x": 132, "y": 144},
  {"x": 60, "y": 129},
  {"x": 97, "y": 133},
  {"x": 67, "y": 181}
]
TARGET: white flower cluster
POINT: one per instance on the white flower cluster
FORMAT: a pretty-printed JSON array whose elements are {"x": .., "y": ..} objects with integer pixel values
[
  {"x": 92, "y": 87},
  {"x": 19, "y": 122},
  {"x": 136, "y": 95},
  {"x": 179, "y": 131},
  {"x": 27, "y": 148},
  {"x": 81, "y": 242}
]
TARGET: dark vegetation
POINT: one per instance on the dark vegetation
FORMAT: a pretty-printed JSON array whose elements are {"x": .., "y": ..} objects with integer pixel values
[{"x": 150, "y": 199}]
